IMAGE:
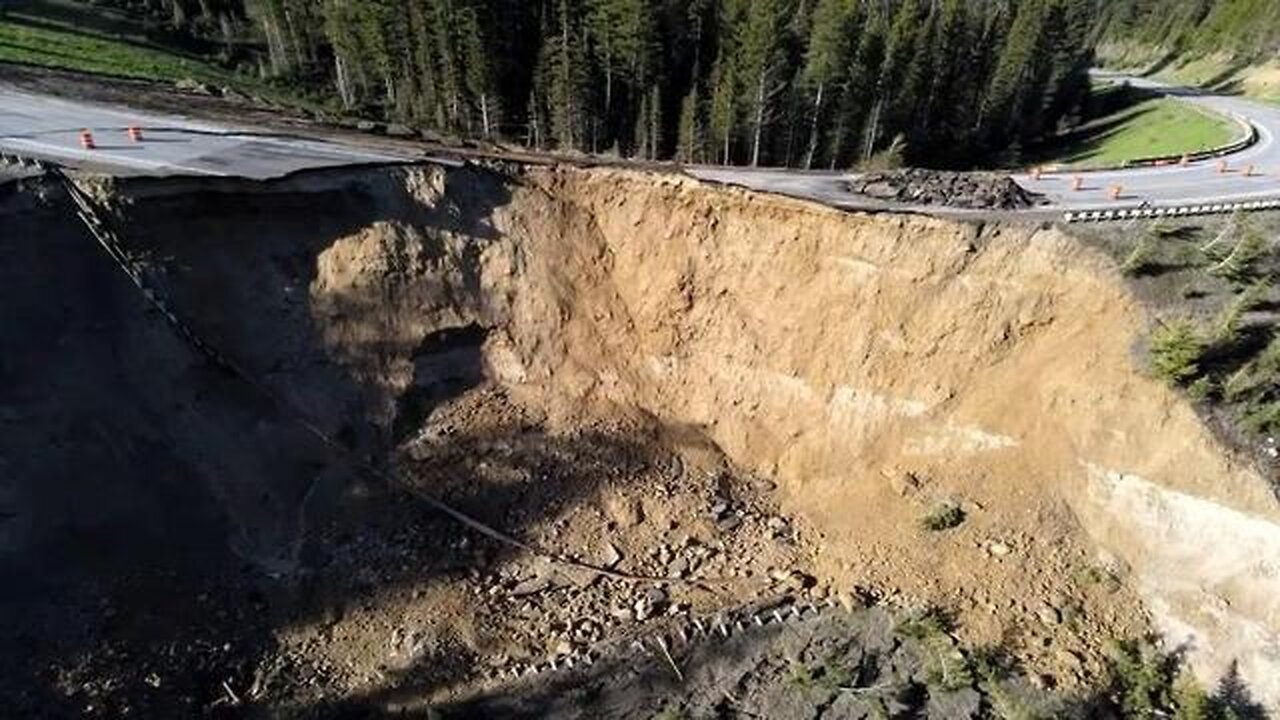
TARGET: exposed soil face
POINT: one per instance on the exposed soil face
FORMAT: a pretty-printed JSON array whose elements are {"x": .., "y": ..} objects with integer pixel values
[{"x": 751, "y": 396}]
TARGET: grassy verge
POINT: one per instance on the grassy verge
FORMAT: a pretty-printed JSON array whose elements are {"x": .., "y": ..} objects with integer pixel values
[
  {"x": 1146, "y": 128},
  {"x": 74, "y": 36}
]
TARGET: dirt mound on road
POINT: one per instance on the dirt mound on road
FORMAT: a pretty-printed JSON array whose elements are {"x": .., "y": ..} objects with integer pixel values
[{"x": 977, "y": 191}]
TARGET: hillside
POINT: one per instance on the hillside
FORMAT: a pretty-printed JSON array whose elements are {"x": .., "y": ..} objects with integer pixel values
[{"x": 1227, "y": 45}]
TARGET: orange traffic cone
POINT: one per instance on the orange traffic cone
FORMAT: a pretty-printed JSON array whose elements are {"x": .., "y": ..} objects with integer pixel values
[
  {"x": 1077, "y": 183},
  {"x": 1222, "y": 167},
  {"x": 1185, "y": 161},
  {"x": 135, "y": 133},
  {"x": 1035, "y": 173},
  {"x": 1117, "y": 191},
  {"x": 86, "y": 140}
]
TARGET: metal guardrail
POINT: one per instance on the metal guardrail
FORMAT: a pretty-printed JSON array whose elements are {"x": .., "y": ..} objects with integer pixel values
[{"x": 1170, "y": 211}]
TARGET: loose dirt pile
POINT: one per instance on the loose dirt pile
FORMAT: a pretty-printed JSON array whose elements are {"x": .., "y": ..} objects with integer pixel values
[
  {"x": 917, "y": 186},
  {"x": 745, "y": 395}
]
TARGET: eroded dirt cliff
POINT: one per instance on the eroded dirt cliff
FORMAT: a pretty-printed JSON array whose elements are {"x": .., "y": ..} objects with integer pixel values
[{"x": 633, "y": 369}]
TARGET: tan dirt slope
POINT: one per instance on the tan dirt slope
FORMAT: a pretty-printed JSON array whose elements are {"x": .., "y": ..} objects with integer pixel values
[
  {"x": 873, "y": 366},
  {"x": 877, "y": 364}
]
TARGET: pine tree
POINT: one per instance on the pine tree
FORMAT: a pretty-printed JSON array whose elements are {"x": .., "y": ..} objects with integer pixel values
[
  {"x": 826, "y": 62},
  {"x": 900, "y": 47},
  {"x": 1015, "y": 90},
  {"x": 477, "y": 82},
  {"x": 952, "y": 84},
  {"x": 913, "y": 103},
  {"x": 809, "y": 82},
  {"x": 690, "y": 144},
  {"x": 759, "y": 63},
  {"x": 725, "y": 79},
  {"x": 561, "y": 76}
]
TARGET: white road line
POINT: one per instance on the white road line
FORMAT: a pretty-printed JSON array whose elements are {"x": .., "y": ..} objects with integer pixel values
[{"x": 108, "y": 158}]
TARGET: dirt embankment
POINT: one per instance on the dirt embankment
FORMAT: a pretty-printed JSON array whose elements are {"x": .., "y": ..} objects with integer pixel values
[
  {"x": 877, "y": 365},
  {"x": 618, "y": 365}
]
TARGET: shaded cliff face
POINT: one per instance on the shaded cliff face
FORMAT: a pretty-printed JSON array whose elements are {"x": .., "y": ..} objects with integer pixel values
[{"x": 873, "y": 367}]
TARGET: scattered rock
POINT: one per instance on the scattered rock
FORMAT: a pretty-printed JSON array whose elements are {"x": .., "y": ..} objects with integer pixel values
[
  {"x": 728, "y": 523},
  {"x": 997, "y": 548},
  {"x": 1069, "y": 660},
  {"x": 650, "y": 604},
  {"x": 581, "y": 578},
  {"x": 851, "y": 601},
  {"x": 1048, "y": 614},
  {"x": 675, "y": 470},
  {"x": 954, "y": 705},
  {"x": 530, "y": 586},
  {"x": 610, "y": 557},
  {"x": 793, "y": 580},
  {"x": 625, "y": 511}
]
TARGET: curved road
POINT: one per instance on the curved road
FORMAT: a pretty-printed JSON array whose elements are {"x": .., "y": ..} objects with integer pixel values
[
  {"x": 47, "y": 128},
  {"x": 1198, "y": 182}
]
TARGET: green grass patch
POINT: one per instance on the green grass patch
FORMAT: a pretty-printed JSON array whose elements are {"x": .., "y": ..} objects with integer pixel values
[
  {"x": 1153, "y": 127},
  {"x": 51, "y": 46},
  {"x": 83, "y": 38}
]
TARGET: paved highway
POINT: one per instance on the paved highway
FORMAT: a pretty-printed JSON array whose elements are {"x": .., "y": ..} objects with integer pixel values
[
  {"x": 48, "y": 128},
  {"x": 1198, "y": 182}
]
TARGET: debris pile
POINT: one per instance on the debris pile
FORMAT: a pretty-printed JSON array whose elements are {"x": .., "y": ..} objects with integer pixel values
[{"x": 978, "y": 191}]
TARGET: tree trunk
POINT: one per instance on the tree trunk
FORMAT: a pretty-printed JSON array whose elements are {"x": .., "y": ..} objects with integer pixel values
[
  {"x": 758, "y": 130},
  {"x": 566, "y": 76},
  {"x": 813, "y": 129},
  {"x": 872, "y": 129},
  {"x": 344, "y": 81}
]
